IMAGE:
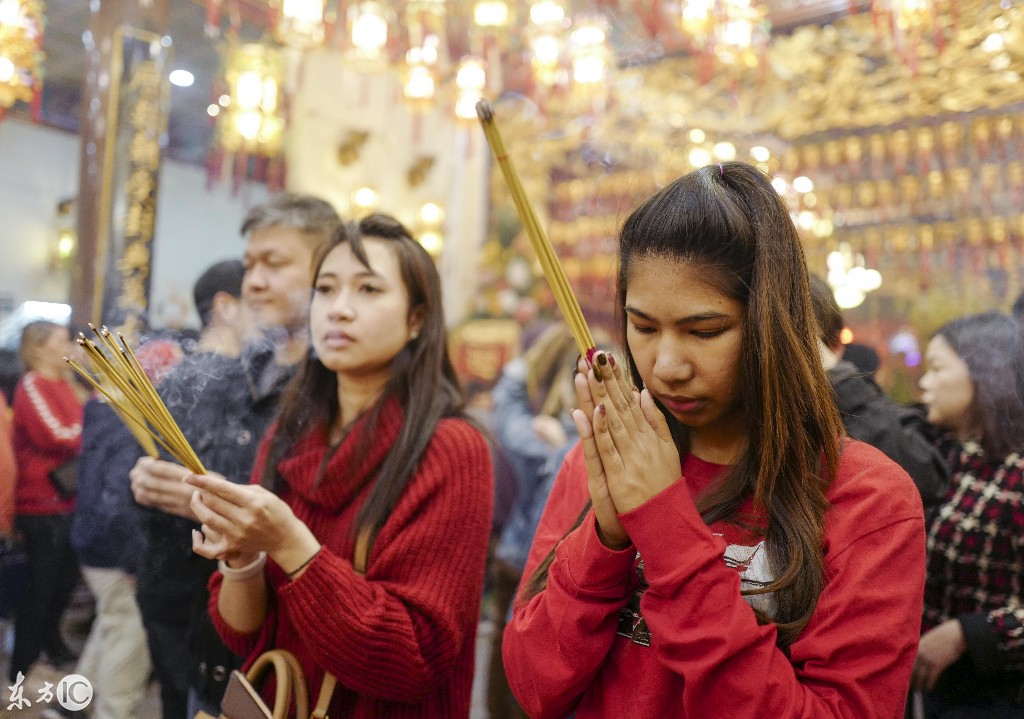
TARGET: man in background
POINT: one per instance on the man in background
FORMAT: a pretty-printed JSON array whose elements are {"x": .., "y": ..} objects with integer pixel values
[{"x": 868, "y": 414}]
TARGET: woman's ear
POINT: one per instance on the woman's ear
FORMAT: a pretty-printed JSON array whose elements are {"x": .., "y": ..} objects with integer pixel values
[{"x": 416, "y": 319}]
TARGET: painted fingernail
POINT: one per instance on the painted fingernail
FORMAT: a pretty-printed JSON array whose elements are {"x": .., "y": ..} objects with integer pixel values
[
  {"x": 602, "y": 358},
  {"x": 600, "y": 409},
  {"x": 611, "y": 358}
]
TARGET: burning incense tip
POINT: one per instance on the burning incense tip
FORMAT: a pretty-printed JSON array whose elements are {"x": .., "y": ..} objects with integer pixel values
[{"x": 483, "y": 111}]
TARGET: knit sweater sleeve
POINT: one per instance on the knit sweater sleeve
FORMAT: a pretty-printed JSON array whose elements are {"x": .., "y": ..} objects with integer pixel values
[
  {"x": 397, "y": 632},
  {"x": 572, "y": 623},
  {"x": 49, "y": 415}
]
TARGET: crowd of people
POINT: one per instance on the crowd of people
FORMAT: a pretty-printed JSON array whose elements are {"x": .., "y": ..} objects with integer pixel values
[{"x": 717, "y": 515}]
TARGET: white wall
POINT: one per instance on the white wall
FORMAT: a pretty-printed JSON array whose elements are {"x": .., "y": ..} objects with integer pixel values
[
  {"x": 196, "y": 226},
  {"x": 331, "y": 100},
  {"x": 38, "y": 168}
]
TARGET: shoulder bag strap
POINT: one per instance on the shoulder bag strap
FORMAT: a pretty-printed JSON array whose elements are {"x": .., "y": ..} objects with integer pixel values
[{"x": 359, "y": 561}]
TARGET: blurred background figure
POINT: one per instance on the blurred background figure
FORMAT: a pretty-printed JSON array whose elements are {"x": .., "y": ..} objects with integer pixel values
[
  {"x": 107, "y": 538},
  {"x": 532, "y": 401},
  {"x": 863, "y": 357},
  {"x": 970, "y": 657},
  {"x": 47, "y": 434},
  {"x": 218, "y": 300},
  {"x": 867, "y": 413}
]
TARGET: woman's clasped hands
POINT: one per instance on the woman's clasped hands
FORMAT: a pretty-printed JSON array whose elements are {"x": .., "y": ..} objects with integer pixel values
[
  {"x": 627, "y": 446},
  {"x": 241, "y": 520}
]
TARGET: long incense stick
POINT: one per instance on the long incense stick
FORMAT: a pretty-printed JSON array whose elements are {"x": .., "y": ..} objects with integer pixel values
[
  {"x": 553, "y": 270},
  {"x": 125, "y": 384}
]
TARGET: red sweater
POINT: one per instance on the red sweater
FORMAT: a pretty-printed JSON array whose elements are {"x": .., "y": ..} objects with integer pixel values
[
  {"x": 400, "y": 640},
  {"x": 47, "y": 433},
  {"x": 682, "y": 642}
]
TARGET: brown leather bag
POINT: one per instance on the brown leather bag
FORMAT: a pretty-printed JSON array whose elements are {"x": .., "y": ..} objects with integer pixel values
[{"x": 242, "y": 700}]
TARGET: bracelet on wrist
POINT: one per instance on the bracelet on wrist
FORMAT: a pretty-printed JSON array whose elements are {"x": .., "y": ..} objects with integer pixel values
[
  {"x": 291, "y": 574},
  {"x": 249, "y": 570}
]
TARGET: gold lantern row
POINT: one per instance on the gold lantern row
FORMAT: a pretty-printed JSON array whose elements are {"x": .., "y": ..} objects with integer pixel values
[
  {"x": 21, "y": 33},
  {"x": 252, "y": 113}
]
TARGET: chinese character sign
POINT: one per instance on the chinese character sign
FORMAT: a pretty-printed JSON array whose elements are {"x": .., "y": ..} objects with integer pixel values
[{"x": 138, "y": 119}]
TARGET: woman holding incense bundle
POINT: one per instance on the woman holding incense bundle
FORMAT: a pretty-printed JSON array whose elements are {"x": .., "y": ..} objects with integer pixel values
[
  {"x": 47, "y": 434},
  {"x": 362, "y": 549},
  {"x": 715, "y": 547}
]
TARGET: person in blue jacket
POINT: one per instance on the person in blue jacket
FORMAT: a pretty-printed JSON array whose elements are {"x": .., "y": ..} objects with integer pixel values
[{"x": 107, "y": 537}]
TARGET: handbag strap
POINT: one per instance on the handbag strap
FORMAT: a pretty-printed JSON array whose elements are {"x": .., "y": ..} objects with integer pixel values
[
  {"x": 289, "y": 678},
  {"x": 359, "y": 561}
]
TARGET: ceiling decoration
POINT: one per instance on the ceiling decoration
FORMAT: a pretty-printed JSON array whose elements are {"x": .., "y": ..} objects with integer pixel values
[{"x": 21, "y": 57}]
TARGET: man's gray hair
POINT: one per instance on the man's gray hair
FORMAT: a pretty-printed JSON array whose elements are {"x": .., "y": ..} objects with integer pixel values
[{"x": 305, "y": 213}]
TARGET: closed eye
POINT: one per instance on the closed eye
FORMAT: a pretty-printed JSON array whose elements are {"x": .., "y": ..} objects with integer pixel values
[
  {"x": 708, "y": 334},
  {"x": 642, "y": 330},
  {"x": 369, "y": 289}
]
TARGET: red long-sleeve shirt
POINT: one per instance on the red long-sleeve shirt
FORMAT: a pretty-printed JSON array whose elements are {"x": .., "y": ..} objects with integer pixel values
[
  {"x": 47, "y": 433},
  {"x": 400, "y": 639},
  {"x": 682, "y": 642}
]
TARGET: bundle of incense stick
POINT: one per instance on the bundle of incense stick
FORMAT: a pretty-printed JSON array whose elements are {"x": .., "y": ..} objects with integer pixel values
[
  {"x": 133, "y": 396},
  {"x": 553, "y": 270},
  {"x": 132, "y": 419}
]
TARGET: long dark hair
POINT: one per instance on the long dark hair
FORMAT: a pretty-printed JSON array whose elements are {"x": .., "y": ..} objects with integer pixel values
[
  {"x": 728, "y": 220},
  {"x": 422, "y": 377},
  {"x": 990, "y": 345}
]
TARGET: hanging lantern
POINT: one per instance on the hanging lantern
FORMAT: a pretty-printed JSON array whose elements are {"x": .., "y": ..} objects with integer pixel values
[
  {"x": 698, "y": 22},
  {"x": 741, "y": 33},
  {"x": 431, "y": 228},
  {"x": 590, "y": 54},
  {"x": 21, "y": 32},
  {"x": 490, "y": 14},
  {"x": 300, "y": 24},
  {"x": 368, "y": 31},
  {"x": 736, "y": 32},
  {"x": 251, "y": 120},
  {"x": 470, "y": 79},
  {"x": 488, "y": 39},
  {"x": 545, "y": 41},
  {"x": 909, "y": 22},
  {"x": 425, "y": 23},
  {"x": 420, "y": 84}
]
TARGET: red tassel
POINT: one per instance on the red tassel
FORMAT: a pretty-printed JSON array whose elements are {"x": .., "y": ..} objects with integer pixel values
[
  {"x": 212, "y": 18},
  {"x": 241, "y": 163},
  {"x": 211, "y": 167},
  {"x": 37, "y": 104}
]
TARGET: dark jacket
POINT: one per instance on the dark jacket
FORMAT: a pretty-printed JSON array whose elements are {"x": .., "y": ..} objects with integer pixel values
[
  {"x": 106, "y": 531},
  {"x": 900, "y": 432},
  {"x": 223, "y": 407}
]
